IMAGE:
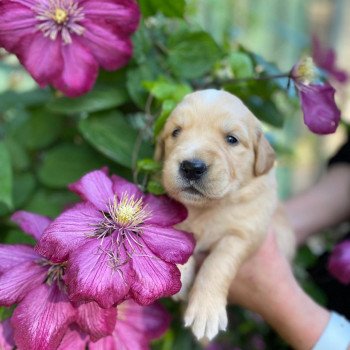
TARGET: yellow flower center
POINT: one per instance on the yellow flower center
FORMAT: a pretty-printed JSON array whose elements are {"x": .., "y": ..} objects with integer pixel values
[
  {"x": 306, "y": 71},
  {"x": 128, "y": 212},
  {"x": 60, "y": 16}
]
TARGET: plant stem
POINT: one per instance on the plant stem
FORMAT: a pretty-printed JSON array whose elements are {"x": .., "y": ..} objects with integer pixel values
[
  {"x": 139, "y": 139},
  {"x": 219, "y": 83}
]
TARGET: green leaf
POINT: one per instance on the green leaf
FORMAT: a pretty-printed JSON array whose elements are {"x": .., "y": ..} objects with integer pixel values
[
  {"x": 149, "y": 165},
  {"x": 167, "y": 108},
  {"x": 5, "y": 177},
  {"x": 241, "y": 65},
  {"x": 192, "y": 54},
  {"x": 19, "y": 157},
  {"x": 97, "y": 100},
  {"x": 5, "y": 313},
  {"x": 155, "y": 187},
  {"x": 113, "y": 136},
  {"x": 16, "y": 100},
  {"x": 17, "y": 236},
  {"x": 66, "y": 163},
  {"x": 23, "y": 187},
  {"x": 168, "y": 8},
  {"x": 40, "y": 130},
  {"x": 265, "y": 110},
  {"x": 143, "y": 45},
  {"x": 165, "y": 89},
  {"x": 134, "y": 84},
  {"x": 50, "y": 203},
  {"x": 314, "y": 291},
  {"x": 305, "y": 257}
]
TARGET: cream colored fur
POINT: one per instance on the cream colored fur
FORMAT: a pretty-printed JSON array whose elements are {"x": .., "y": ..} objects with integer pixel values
[{"x": 235, "y": 203}]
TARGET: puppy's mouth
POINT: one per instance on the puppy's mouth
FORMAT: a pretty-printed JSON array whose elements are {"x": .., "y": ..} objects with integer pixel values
[{"x": 193, "y": 191}]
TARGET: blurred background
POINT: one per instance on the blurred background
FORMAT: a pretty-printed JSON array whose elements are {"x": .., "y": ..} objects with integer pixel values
[{"x": 281, "y": 31}]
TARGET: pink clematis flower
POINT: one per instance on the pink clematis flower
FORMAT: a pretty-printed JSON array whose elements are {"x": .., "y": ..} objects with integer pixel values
[
  {"x": 6, "y": 336},
  {"x": 63, "y": 42},
  {"x": 325, "y": 58},
  {"x": 119, "y": 243},
  {"x": 43, "y": 312},
  {"x": 136, "y": 327},
  {"x": 339, "y": 262},
  {"x": 74, "y": 339},
  {"x": 321, "y": 114}
]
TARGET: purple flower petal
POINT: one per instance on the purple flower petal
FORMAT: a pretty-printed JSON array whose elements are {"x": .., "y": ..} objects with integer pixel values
[
  {"x": 17, "y": 21},
  {"x": 27, "y": 3},
  {"x": 124, "y": 337},
  {"x": 339, "y": 262},
  {"x": 151, "y": 320},
  {"x": 41, "y": 57},
  {"x": 154, "y": 278},
  {"x": 325, "y": 58},
  {"x": 31, "y": 223},
  {"x": 79, "y": 72},
  {"x": 12, "y": 255},
  {"x": 95, "y": 321},
  {"x": 90, "y": 276},
  {"x": 122, "y": 14},
  {"x": 171, "y": 245},
  {"x": 18, "y": 281},
  {"x": 68, "y": 232},
  {"x": 6, "y": 335},
  {"x": 68, "y": 55},
  {"x": 165, "y": 211},
  {"x": 136, "y": 327},
  {"x": 112, "y": 50},
  {"x": 321, "y": 114},
  {"x": 108, "y": 343},
  {"x": 42, "y": 318},
  {"x": 73, "y": 339},
  {"x": 95, "y": 187},
  {"x": 122, "y": 186}
]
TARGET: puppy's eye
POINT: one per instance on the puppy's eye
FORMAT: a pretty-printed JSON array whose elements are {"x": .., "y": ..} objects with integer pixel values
[
  {"x": 176, "y": 132},
  {"x": 231, "y": 140}
]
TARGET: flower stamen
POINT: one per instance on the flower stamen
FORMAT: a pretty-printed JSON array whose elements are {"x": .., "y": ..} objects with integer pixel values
[
  {"x": 305, "y": 71},
  {"x": 55, "y": 272},
  {"x": 129, "y": 212},
  {"x": 123, "y": 221},
  {"x": 60, "y": 16}
]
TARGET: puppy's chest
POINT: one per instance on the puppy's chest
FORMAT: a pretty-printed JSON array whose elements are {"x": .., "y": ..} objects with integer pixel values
[{"x": 206, "y": 227}]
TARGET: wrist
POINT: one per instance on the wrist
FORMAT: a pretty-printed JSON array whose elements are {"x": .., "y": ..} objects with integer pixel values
[{"x": 296, "y": 317}]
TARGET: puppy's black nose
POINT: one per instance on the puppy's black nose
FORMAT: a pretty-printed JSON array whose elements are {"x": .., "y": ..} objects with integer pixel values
[{"x": 193, "y": 169}]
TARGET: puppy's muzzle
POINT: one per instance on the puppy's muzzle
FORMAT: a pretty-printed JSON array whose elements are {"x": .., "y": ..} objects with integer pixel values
[{"x": 193, "y": 169}]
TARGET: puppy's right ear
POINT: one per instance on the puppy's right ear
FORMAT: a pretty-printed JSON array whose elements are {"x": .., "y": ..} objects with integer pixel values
[
  {"x": 264, "y": 154},
  {"x": 159, "y": 152}
]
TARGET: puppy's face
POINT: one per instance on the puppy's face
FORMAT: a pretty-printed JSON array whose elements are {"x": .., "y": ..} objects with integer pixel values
[{"x": 211, "y": 145}]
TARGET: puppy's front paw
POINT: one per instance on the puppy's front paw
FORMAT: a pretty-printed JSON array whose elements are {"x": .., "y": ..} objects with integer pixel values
[{"x": 206, "y": 317}]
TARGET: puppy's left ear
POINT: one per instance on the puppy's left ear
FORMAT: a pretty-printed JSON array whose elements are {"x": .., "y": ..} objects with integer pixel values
[{"x": 264, "y": 155}]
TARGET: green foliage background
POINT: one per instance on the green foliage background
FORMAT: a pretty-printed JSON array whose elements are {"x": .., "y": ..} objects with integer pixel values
[{"x": 48, "y": 141}]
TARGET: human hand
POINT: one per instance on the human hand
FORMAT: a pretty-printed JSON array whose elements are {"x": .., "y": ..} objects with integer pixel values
[
  {"x": 260, "y": 278},
  {"x": 265, "y": 284}
]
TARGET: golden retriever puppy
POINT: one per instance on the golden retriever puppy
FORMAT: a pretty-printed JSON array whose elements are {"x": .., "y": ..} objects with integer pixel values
[{"x": 218, "y": 163}]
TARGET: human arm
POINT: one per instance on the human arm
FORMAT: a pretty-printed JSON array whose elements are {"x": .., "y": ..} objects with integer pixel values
[
  {"x": 324, "y": 205},
  {"x": 265, "y": 284}
]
